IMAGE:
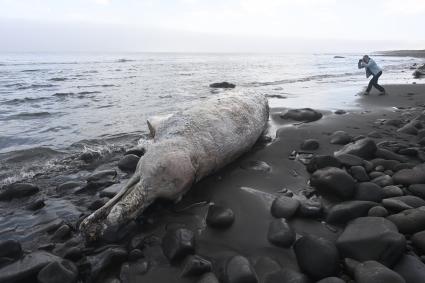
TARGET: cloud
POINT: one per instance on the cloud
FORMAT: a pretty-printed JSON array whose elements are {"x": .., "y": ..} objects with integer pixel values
[
  {"x": 406, "y": 7},
  {"x": 102, "y": 2}
]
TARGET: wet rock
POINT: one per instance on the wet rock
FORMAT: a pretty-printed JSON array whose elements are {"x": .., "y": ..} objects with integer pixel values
[
  {"x": 222, "y": 85},
  {"x": 239, "y": 270},
  {"x": 402, "y": 166},
  {"x": 391, "y": 191},
  {"x": 389, "y": 155},
  {"x": 284, "y": 207},
  {"x": 411, "y": 268},
  {"x": 348, "y": 210},
  {"x": 61, "y": 233},
  {"x": 364, "y": 148},
  {"x": 59, "y": 271},
  {"x": 418, "y": 240},
  {"x": 111, "y": 191},
  {"x": 256, "y": 165},
  {"x": 374, "y": 134},
  {"x": 409, "y": 221},
  {"x": 340, "y": 112},
  {"x": 368, "y": 191},
  {"x": 208, "y": 278},
  {"x": 417, "y": 190},
  {"x": 331, "y": 280},
  {"x": 409, "y": 129},
  {"x": 349, "y": 160},
  {"x": 413, "y": 201},
  {"x": 103, "y": 260},
  {"x": 333, "y": 181},
  {"x": 383, "y": 164},
  {"x": 264, "y": 266},
  {"x": 220, "y": 217},
  {"x": 280, "y": 233},
  {"x": 378, "y": 211},
  {"x": 10, "y": 249},
  {"x": 383, "y": 181},
  {"x": 410, "y": 151},
  {"x": 310, "y": 208},
  {"x": 73, "y": 253},
  {"x": 98, "y": 203},
  {"x": 341, "y": 137},
  {"x": 102, "y": 176},
  {"x": 394, "y": 123},
  {"x": 286, "y": 275},
  {"x": 376, "y": 174},
  {"x": 26, "y": 269},
  {"x": 138, "y": 151},
  {"x": 359, "y": 173},
  {"x": 69, "y": 187},
  {"x": 371, "y": 238},
  {"x": 36, "y": 205},
  {"x": 90, "y": 156},
  {"x": 178, "y": 243},
  {"x": 322, "y": 161},
  {"x": 125, "y": 273},
  {"x": 310, "y": 144},
  {"x": 412, "y": 176},
  {"x": 309, "y": 249},
  {"x": 374, "y": 272},
  {"x": 302, "y": 115},
  {"x": 128, "y": 163},
  {"x": 18, "y": 190},
  {"x": 135, "y": 255},
  {"x": 195, "y": 265}
]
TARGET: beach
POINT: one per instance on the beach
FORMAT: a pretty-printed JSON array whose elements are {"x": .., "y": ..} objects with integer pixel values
[{"x": 44, "y": 219}]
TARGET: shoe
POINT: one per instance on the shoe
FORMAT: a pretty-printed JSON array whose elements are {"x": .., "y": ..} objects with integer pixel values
[
  {"x": 383, "y": 93},
  {"x": 366, "y": 93}
]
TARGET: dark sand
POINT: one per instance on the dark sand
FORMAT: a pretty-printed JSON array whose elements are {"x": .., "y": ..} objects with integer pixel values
[
  {"x": 249, "y": 191},
  {"x": 407, "y": 53}
]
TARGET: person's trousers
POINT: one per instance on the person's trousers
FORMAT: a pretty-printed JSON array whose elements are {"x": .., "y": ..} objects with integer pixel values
[{"x": 374, "y": 82}]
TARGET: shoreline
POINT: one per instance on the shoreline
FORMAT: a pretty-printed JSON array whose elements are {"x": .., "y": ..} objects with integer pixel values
[{"x": 248, "y": 187}]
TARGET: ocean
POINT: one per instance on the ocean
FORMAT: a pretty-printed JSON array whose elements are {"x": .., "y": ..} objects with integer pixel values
[{"x": 56, "y": 106}]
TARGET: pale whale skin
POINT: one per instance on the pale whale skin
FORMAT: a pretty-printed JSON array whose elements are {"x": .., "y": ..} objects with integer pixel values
[{"x": 187, "y": 146}]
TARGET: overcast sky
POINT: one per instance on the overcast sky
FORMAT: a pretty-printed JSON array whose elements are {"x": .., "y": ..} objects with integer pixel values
[{"x": 211, "y": 26}]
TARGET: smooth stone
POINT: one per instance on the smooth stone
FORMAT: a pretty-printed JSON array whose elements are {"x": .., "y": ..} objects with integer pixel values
[
  {"x": 341, "y": 137},
  {"x": 135, "y": 254},
  {"x": 286, "y": 275},
  {"x": 128, "y": 163},
  {"x": 178, "y": 243},
  {"x": 391, "y": 191},
  {"x": 310, "y": 208},
  {"x": 98, "y": 203},
  {"x": 61, "y": 233},
  {"x": 410, "y": 151},
  {"x": 208, "y": 277},
  {"x": 389, "y": 155},
  {"x": 345, "y": 211},
  {"x": 264, "y": 266},
  {"x": 409, "y": 221},
  {"x": 105, "y": 259},
  {"x": 417, "y": 190},
  {"x": 310, "y": 144},
  {"x": 111, "y": 191},
  {"x": 73, "y": 253},
  {"x": 195, "y": 265},
  {"x": 374, "y": 272},
  {"x": 340, "y": 112},
  {"x": 383, "y": 181},
  {"x": 378, "y": 211},
  {"x": 10, "y": 249},
  {"x": 386, "y": 164},
  {"x": 98, "y": 180},
  {"x": 411, "y": 268},
  {"x": 26, "y": 269},
  {"x": 138, "y": 151},
  {"x": 284, "y": 207},
  {"x": 394, "y": 123},
  {"x": 280, "y": 233},
  {"x": 395, "y": 205},
  {"x": 90, "y": 156},
  {"x": 333, "y": 181},
  {"x": 102, "y": 175},
  {"x": 376, "y": 174},
  {"x": 413, "y": 201},
  {"x": 36, "y": 205},
  {"x": 364, "y": 148},
  {"x": 125, "y": 273},
  {"x": 222, "y": 85},
  {"x": 359, "y": 173},
  {"x": 322, "y": 161},
  {"x": 239, "y": 270},
  {"x": 331, "y": 280},
  {"x": 368, "y": 191},
  {"x": 374, "y": 134},
  {"x": 18, "y": 190},
  {"x": 309, "y": 249},
  {"x": 412, "y": 176},
  {"x": 63, "y": 271},
  {"x": 418, "y": 240},
  {"x": 302, "y": 115},
  {"x": 371, "y": 238},
  {"x": 220, "y": 217},
  {"x": 409, "y": 129},
  {"x": 380, "y": 168},
  {"x": 402, "y": 166},
  {"x": 69, "y": 186},
  {"x": 349, "y": 160}
]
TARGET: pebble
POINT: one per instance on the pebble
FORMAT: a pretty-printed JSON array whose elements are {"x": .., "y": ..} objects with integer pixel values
[
  {"x": 63, "y": 271},
  {"x": 220, "y": 217},
  {"x": 195, "y": 265},
  {"x": 280, "y": 233},
  {"x": 239, "y": 270},
  {"x": 178, "y": 243},
  {"x": 128, "y": 163},
  {"x": 333, "y": 181},
  {"x": 18, "y": 190},
  {"x": 284, "y": 207}
]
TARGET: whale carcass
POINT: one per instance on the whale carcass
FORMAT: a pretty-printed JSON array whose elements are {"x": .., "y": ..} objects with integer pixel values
[{"x": 186, "y": 147}]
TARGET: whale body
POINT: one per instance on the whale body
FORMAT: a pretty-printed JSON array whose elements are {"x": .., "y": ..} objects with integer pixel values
[{"x": 187, "y": 146}]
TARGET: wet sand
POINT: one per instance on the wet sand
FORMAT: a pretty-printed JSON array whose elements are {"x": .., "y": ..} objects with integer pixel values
[{"x": 248, "y": 186}]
